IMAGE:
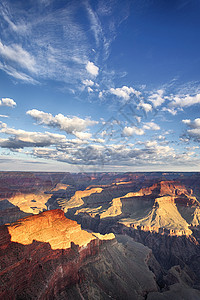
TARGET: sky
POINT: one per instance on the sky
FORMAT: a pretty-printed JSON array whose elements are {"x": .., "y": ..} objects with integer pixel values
[{"x": 99, "y": 85}]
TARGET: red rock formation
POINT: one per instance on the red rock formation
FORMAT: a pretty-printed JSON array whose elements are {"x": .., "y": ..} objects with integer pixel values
[
  {"x": 163, "y": 188},
  {"x": 30, "y": 268}
]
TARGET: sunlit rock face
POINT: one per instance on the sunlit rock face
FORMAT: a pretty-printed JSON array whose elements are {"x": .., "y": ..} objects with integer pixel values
[
  {"x": 51, "y": 227},
  {"x": 30, "y": 202},
  {"x": 167, "y": 207}
]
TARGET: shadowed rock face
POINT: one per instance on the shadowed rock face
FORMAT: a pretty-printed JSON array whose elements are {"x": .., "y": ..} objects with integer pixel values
[{"x": 10, "y": 213}]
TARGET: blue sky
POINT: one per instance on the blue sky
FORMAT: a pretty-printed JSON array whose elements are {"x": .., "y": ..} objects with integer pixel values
[{"x": 100, "y": 85}]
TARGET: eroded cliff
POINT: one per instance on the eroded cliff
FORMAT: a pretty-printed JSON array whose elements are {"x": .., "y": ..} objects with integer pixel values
[{"x": 47, "y": 256}]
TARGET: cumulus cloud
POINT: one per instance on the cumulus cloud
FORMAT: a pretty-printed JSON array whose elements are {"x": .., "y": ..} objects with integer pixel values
[
  {"x": 89, "y": 89},
  {"x": 83, "y": 135},
  {"x": 92, "y": 69},
  {"x": 70, "y": 125},
  {"x": 100, "y": 94},
  {"x": 185, "y": 100},
  {"x": 76, "y": 151},
  {"x": 7, "y": 102},
  {"x": 21, "y": 138},
  {"x": 151, "y": 126},
  {"x": 88, "y": 82},
  {"x": 172, "y": 111},
  {"x": 150, "y": 153},
  {"x": 157, "y": 98},
  {"x": 124, "y": 92},
  {"x": 193, "y": 124},
  {"x": 194, "y": 131},
  {"x": 146, "y": 106},
  {"x": 129, "y": 131}
]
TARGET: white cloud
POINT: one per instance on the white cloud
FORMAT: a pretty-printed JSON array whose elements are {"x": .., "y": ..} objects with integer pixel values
[
  {"x": 151, "y": 153},
  {"x": 7, "y": 102},
  {"x": 151, "y": 126},
  {"x": 4, "y": 116},
  {"x": 70, "y": 125},
  {"x": 99, "y": 140},
  {"x": 89, "y": 89},
  {"x": 193, "y": 124},
  {"x": 194, "y": 132},
  {"x": 44, "y": 53},
  {"x": 146, "y": 106},
  {"x": 186, "y": 121},
  {"x": 83, "y": 135},
  {"x": 124, "y": 92},
  {"x": 157, "y": 98},
  {"x": 95, "y": 23},
  {"x": 170, "y": 110},
  {"x": 20, "y": 28},
  {"x": 17, "y": 74},
  {"x": 138, "y": 118},
  {"x": 78, "y": 151},
  {"x": 129, "y": 131},
  {"x": 88, "y": 82},
  {"x": 17, "y": 54},
  {"x": 185, "y": 100},
  {"x": 92, "y": 69},
  {"x": 21, "y": 138}
]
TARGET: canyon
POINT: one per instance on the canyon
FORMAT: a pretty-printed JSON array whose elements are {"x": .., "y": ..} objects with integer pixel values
[{"x": 100, "y": 235}]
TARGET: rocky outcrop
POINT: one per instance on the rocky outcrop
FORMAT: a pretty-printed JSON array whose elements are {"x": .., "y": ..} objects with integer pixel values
[
  {"x": 47, "y": 256},
  {"x": 169, "y": 250},
  {"x": 167, "y": 207}
]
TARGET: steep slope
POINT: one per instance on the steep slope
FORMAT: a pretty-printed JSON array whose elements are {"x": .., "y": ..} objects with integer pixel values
[
  {"x": 47, "y": 256},
  {"x": 30, "y": 202},
  {"x": 172, "y": 207},
  {"x": 10, "y": 213},
  {"x": 51, "y": 227},
  {"x": 168, "y": 206}
]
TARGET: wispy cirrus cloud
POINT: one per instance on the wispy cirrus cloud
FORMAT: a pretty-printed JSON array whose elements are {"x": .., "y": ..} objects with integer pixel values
[
  {"x": 17, "y": 74},
  {"x": 95, "y": 23},
  {"x": 4, "y": 116},
  {"x": 55, "y": 44},
  {"x": 18, "y": 55}
]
